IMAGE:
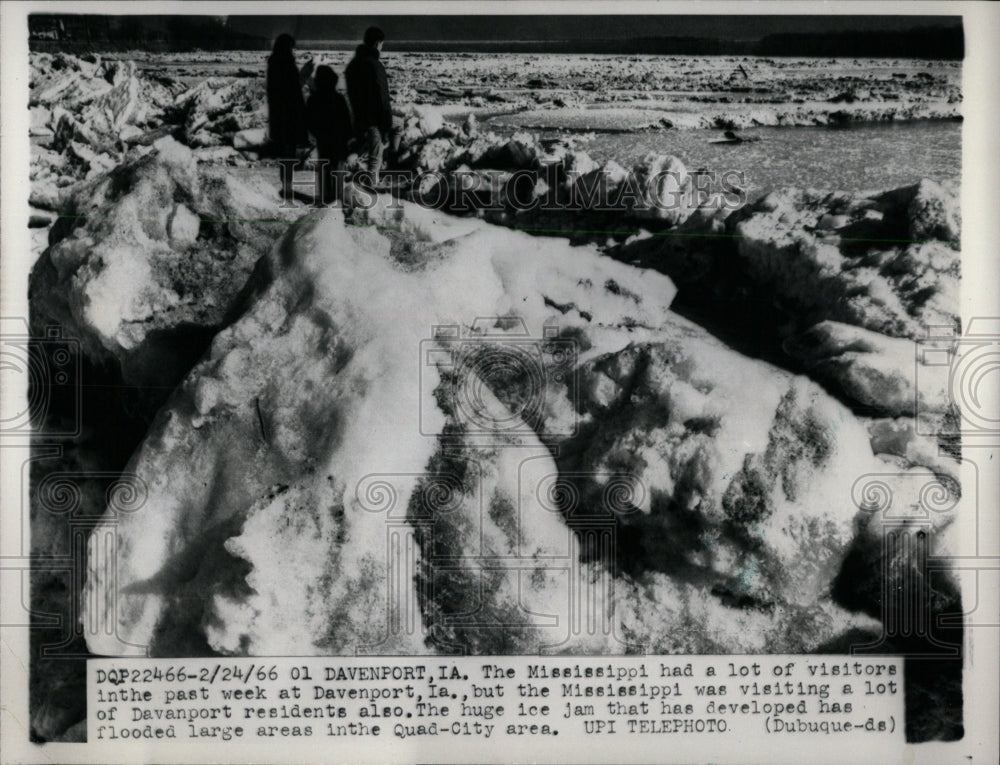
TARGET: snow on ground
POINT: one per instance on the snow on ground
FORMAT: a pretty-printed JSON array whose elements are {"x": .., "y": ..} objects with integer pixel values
[
  {"x": 160, "y": 245},
  {"x": 320, "y": 423}
]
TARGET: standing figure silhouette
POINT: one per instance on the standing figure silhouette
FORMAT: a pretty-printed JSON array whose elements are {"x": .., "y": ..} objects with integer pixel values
[
  {"x": 329, "y": 120},
  {"x": 368, "y": 89},
  {"x": 285, "y": 106}
]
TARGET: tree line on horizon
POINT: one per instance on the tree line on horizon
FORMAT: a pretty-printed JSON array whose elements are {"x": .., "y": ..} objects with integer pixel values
[{"x": 51, "y": 32}]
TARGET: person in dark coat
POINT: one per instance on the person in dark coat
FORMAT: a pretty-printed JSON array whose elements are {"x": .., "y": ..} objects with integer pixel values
[
  {"x": 285, "y": 105},
  {"x": 368, "y": 90},
  {"x": 329, "y": 120}
]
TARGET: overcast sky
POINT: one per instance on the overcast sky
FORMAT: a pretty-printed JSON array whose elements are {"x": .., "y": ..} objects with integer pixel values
[{"x": 565, "y": 27}]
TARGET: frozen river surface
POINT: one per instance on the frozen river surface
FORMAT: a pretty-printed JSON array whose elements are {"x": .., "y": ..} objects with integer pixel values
[{"x": 854, "y": 158}]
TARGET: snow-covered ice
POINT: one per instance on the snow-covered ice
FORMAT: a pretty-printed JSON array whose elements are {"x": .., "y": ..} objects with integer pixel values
[{"x": 307, "y": 428}]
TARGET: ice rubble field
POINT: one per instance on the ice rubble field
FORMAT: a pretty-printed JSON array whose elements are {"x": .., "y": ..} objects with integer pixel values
[
  {"x": 207, "y": 99},
  {"x": 688, "y": 83},
  {"x": 290, "y": 406}
]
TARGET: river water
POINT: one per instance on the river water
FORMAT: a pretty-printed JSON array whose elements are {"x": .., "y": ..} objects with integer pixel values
[{"x": 858, "y": 157}]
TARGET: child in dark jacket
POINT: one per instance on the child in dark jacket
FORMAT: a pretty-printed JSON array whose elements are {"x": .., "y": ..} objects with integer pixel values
[{"x": 329, "y": 120}]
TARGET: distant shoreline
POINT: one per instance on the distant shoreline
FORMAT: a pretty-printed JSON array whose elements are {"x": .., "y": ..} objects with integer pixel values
[
  {"x": 80, "y": 47},
  {"x": 924, "y": 43}
]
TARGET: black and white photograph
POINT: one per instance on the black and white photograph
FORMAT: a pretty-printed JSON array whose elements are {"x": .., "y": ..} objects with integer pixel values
[{"x": 653, "y": 337}]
